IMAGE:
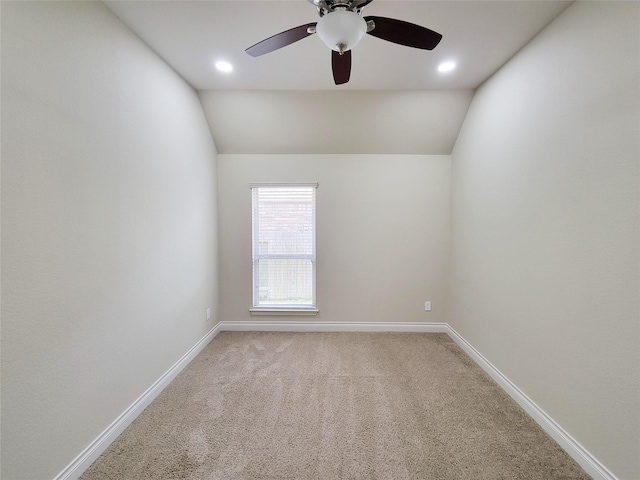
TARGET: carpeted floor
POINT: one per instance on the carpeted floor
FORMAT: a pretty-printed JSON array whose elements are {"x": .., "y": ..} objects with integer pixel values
[{"x": 333, "y": 406}]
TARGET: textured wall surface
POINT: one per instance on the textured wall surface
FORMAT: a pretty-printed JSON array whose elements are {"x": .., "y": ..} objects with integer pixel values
[
  {"x": 108, "y": 227},
  {"x": 545, "y": 226},
  {"x": 382, "y": 233}
]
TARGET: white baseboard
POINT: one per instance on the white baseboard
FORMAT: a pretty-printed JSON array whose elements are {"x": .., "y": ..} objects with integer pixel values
[
  {"x": 587, "y": 461},
  {"x": 100, "y": 444},
  {"x": 258, "y": 326}
]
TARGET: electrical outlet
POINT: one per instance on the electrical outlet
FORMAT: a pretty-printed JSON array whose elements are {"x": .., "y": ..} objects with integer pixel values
[
  {"x": 208, "y": 314},
  {"x": 427, "y": 306}
]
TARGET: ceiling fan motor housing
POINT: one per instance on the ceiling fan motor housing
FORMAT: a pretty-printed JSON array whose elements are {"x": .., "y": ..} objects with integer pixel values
[
  {"x": 328, "y": 6},
  {"x": 341, "y": 30}
]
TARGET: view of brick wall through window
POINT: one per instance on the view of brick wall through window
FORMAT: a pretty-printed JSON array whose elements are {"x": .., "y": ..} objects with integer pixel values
[{"x": 283, "y": 247}]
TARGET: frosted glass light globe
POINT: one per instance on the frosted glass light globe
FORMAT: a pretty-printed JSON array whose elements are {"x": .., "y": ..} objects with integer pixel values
[{"x": 341, "y": 30}]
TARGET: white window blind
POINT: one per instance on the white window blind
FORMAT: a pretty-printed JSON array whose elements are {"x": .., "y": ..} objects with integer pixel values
[{"x": 284, "y": 246}]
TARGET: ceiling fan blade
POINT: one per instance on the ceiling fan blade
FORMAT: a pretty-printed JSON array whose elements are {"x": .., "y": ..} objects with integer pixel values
[
  {"x": 341, "y": 66},
  {"x": 280, "y": 40},
  {"x": 404, "y": 33}
]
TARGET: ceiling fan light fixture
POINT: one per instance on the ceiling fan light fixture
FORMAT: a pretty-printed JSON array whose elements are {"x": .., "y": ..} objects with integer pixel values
[{"x": 341, "y": 30}]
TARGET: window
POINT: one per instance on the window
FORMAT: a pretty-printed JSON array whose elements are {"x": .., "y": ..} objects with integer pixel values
[{"x": 284, "y": 248}]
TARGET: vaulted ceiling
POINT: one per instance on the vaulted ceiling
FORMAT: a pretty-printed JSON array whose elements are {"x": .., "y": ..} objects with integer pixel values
[{"x": 286, "y": 101}]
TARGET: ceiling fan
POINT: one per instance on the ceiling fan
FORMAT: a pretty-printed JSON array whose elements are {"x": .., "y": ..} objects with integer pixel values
[{"x": 341, "y": 27}]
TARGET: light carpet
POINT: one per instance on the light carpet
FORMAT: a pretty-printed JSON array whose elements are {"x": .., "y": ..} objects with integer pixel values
[{"x": 274, "y": 405}]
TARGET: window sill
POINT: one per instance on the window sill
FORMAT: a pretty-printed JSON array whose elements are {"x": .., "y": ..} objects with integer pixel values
[{"x": 283, "y": 311}]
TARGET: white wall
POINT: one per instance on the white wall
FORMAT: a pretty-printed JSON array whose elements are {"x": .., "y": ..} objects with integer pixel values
[
  {"x": 304, "y": 121},
  {"x": 109, "y": 251},
  {"x": 382, "y": 233},
  {"x": 545, "y": 242}
]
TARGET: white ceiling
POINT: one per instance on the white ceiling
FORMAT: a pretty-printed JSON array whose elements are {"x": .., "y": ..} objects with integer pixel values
[{"x": 298, "y": 108}]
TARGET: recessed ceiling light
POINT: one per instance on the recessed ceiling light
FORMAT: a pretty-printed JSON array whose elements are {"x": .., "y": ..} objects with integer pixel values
[
  {"x": 224, "y": 66},
  {"x": 446, "y": 67}
]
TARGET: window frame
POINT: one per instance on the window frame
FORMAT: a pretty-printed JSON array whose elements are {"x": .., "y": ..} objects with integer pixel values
[{"x": 284, "y": 309}]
